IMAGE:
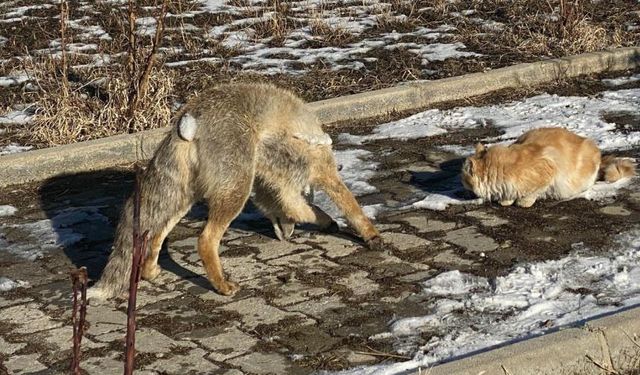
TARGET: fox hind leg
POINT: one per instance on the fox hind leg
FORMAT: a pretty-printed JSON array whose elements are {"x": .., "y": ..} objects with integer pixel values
[
  {"x": 150, "y": 268},
  {"x": 223, "y": 208}
]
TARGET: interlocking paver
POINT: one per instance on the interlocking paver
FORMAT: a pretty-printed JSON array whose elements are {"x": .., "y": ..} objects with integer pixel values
[
  {"x": 471, "y": 240},
  {"x": 25, "y": 364},
  {"x": 193, "y": 362},
  {"x": 260, "y": 363},
  {"x": 255, "y": 311},
  {"x": 228, "y": 344},
  {"x": 28, "y": 317}
]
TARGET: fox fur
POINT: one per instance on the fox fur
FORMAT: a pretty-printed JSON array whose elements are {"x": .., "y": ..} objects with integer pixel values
[
  {"x": 543, "y": 163},
  {"x": 227, "y": 142}
]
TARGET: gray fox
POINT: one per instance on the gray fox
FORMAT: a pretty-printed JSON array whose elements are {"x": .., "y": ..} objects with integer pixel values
[{"x": 226, "y": 142}]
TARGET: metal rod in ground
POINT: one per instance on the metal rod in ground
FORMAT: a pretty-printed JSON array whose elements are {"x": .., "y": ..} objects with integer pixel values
[
  {"x": 139, "y": 249},
  {"x": 79, "y": 279}
]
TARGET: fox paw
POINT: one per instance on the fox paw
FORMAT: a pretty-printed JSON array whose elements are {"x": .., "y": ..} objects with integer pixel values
[
  {"x": 283, "y": 228},
  {"x": 150, "y": 273},
  {"x": 227, "y": 288}
]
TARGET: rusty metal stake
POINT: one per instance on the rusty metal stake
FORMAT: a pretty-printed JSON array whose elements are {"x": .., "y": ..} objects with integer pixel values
[{"x": 79, "y": 279}]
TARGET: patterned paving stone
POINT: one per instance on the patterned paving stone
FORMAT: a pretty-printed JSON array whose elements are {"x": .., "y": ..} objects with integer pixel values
[
  {"x": 28, "y": 317},
  {"x": 193, "y": 362},
  {"x": 255, "y": 311},
  {"x": 487, "y": 219},
  {"x": 260, "y": 363},
  {"x": 24, "y": 364},
  {"x": 472, "y": 241},
  {"x": 228, "y": 344}
]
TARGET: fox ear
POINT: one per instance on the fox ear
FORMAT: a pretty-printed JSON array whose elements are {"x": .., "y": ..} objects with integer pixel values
[{"x": 480, "y": 148}]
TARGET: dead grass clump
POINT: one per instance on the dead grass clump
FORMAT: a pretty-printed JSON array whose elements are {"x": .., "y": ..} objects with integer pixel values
[
  {"x": 533, "y": 28},
  {"x": 330, "y": 35},
  {"x": 97, "y": 109},
  {"x": 388, "y": 21}
]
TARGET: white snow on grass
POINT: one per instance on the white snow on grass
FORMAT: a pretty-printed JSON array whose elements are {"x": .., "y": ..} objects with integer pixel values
[
  {"x": 309, "y": 39},
  {"x": 37, "y": 238},
  {"x": 13, "y": 80},
  {"x": 7, "y": 210},
  {"x": 13, "y": 148},
  {"x": 17, "y": 117},
  {"x": 7, "y": 284},
  {"x": 613, "y": 82},
  {"x": 22, "y": 10},
  {"x": 469, "y": 313}
]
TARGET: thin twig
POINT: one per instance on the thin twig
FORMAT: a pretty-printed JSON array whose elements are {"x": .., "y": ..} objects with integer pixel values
[
  {"x": 381, "y": 354},
  {"x": 378, "y": 353},
  {"x": 64, "y": 16},
  {"x": 140, "y": 82},
  {"x": 79, "y": 279},
  {"x": 132, "y": 47},
  {"x": 604, "y": 368},
  {"x": 634, "y": 341},
  {"x": 506, "y": 372}
]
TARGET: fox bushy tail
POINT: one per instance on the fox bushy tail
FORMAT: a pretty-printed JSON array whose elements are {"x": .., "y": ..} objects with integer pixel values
[
  {"x": 166, "y": 189},
  {"x": 612, "y": 168}
]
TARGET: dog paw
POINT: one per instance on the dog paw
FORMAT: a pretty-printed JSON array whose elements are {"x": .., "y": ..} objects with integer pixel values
[{"x": 378, "y": 244}]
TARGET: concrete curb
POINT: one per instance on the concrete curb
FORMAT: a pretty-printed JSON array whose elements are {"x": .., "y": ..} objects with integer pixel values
[
  {"x": 564, "y": 352},
  {"x": 99, "y": 154}
]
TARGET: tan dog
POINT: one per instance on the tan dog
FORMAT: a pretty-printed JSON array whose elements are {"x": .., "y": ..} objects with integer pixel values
[
  {"x": 543, "y": 163},
  {"x": 227, "y": 142}
]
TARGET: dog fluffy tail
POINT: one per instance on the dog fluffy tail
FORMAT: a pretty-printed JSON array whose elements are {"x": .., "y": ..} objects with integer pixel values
[{"x": 612, "y": 168}]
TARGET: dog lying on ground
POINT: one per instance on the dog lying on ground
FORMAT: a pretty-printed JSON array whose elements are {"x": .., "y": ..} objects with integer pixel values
[{"x": 543, "y": 163}]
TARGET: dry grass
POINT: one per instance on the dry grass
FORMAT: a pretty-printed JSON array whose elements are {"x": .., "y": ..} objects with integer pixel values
[
  {"x": 330, "y": 35},
  {"x": 99, "y": 108},
  {"x": 533, "y": 28},
  {"x": 80, "y": 104}
]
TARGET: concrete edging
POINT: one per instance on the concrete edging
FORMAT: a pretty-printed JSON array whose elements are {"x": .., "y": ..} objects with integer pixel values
[
  {"x": 606, "y": 340},
  {"x": 121, "y": 149}
]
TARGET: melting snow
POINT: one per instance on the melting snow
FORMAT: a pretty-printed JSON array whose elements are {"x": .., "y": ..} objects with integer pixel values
[
  {"x": 621, "y": 81},
  {"x": 580, "y": 114},
  {"x": 7, "y": 284},
  {"x": 470, "y": 313},
  {"x": 49, "y": 234},
  {"x": 13, "y": 148},
  {"x": 6, "y": 210}
]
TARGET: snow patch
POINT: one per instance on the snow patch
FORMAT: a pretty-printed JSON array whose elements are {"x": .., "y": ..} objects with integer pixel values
[
  {"x": 6, "y": 210},
  {"x": 49, "y": 234},
  {"x": 7, "y": 284},
  {"x": 471, "y": 313},
  {"x": 13, "y": 148}
]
